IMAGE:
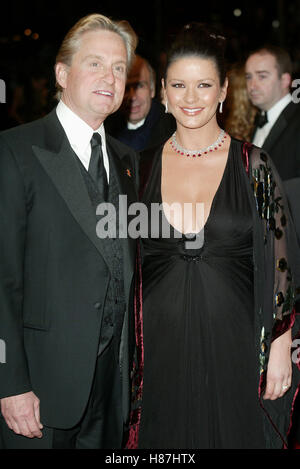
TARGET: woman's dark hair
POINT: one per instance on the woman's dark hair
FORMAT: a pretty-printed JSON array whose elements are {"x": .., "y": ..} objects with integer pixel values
[{"x": 199, "y": 40}]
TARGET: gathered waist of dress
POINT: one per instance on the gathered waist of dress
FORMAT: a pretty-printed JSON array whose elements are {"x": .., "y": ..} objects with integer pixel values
[
  {"x": 196, "y": 255},
  {"x": 207, "y": 257},
  {"x": 194, "y": 248}
]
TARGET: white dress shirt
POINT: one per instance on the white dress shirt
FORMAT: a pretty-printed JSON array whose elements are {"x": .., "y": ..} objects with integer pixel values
[
  {"x": 79, "y": 134},
  {"x": 132, "y": 126},
  {"x": 273, "y": 114}
]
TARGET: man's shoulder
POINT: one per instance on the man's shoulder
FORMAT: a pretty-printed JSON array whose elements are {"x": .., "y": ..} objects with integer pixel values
[
  {"x": 20, "y": 130},
  {"x": 31, "y": 132},
  {"x": 292, "y": 111}
]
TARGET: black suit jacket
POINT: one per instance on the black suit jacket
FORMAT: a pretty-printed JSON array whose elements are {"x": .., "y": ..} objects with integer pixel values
[
  {"x": 292, "y": 189},
  {"x": 283, "y": 142},
  {"x": 54, "y": 275}
]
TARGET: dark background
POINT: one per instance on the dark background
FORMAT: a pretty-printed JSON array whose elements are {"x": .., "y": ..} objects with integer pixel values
[{"x": 23, "y": 56}]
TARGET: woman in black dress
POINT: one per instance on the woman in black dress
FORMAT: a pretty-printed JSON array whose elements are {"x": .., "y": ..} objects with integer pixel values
[{"x": 217, "y": 289}]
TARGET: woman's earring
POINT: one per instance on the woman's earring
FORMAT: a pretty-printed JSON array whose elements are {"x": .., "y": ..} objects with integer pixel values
[
  {"x": 166, "y": 110},
  {"x": 221, "y": 107}
]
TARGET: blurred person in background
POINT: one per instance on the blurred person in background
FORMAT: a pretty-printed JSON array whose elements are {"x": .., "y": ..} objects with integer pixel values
[
  {"x": 238, "y": 112},
  {"x": 268, "y": 72},
  {"x": 141, "y": 120}
]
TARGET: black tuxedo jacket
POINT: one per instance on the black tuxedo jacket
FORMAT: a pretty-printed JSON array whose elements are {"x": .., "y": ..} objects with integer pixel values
[
  {"x": 283, "y": 142},
  {"x": 53, "y": 271}
]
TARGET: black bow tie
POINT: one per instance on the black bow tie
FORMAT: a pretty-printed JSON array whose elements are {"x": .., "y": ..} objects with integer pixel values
[{"x": 261, "y": 119}]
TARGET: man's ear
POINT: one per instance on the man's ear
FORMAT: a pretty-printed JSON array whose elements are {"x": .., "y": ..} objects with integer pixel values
[
  {"x": 61, "y": 74},
  {"x": 286, "y": 81}
]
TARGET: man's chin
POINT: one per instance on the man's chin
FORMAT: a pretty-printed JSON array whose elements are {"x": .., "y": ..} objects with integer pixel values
[
  {"x": 256, "y": 102},
  {"x": 135, "y": 120}
]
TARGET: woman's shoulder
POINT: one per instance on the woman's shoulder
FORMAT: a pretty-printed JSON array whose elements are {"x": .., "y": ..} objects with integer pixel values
[{"x": 254, "y": 157}]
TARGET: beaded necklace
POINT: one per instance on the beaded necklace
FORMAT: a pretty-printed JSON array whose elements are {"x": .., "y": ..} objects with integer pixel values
[{"x": 204, "y": 151}]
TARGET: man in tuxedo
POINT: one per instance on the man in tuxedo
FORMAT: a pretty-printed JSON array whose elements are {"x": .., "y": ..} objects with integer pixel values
[
  {"x": 141, "y": 121},
  {"x": 268, "y": 76},
  {"x": 66, "y": 315}
]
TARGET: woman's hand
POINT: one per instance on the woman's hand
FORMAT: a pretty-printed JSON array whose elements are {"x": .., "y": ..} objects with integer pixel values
[{"x": 279, "y": 372}]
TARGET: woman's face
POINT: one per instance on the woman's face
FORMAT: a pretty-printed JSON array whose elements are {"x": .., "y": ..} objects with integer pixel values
[{"x": 193, "y": 91}]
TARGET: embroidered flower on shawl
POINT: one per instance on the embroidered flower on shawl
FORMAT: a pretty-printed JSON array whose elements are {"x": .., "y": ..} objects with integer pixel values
[{"x": 270, "y": 208}]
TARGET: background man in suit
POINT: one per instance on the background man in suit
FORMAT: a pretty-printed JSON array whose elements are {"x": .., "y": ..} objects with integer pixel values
[
  {"x": 141, "y": 121},
  {"x": 65, "y": 294},
  {"x": 268, "y": 76}
]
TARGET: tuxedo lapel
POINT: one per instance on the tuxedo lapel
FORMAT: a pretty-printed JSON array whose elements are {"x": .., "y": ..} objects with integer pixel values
[
  {"x": 121, "y": 161},
  {"x": 279, "y": 126},
  {"x": 125, "y": 177},
  {"x": 63, "y": 169},
  {"x": 276, "y": 131}
]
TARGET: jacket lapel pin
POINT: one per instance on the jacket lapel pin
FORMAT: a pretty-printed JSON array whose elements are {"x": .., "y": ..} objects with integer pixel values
[{"x": 128, "y": 172}]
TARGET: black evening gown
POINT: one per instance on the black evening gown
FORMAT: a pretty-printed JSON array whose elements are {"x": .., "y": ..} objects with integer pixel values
[{"x": 200, "y": 374}]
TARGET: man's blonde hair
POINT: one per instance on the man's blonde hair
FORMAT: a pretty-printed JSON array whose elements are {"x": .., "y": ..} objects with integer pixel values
[{"x": 94, "y": 22}]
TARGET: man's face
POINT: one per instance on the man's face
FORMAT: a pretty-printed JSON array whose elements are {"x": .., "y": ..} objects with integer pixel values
[
  {"x": 93, "y": 85},
  {"x": 138, "y": 93},
  {"x": 265, "y": 86}
]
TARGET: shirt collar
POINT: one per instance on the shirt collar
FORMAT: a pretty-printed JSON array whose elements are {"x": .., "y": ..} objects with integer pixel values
[
  {"x": 276, "y": 110},
  {"x": 78, "y": 132},
  {"x": 131, "y": 126}
]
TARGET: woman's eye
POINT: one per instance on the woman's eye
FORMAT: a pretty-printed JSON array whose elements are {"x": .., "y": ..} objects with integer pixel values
[
  {"x": 205, "y": 85},
  {"x": 178, "y": 85}
]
